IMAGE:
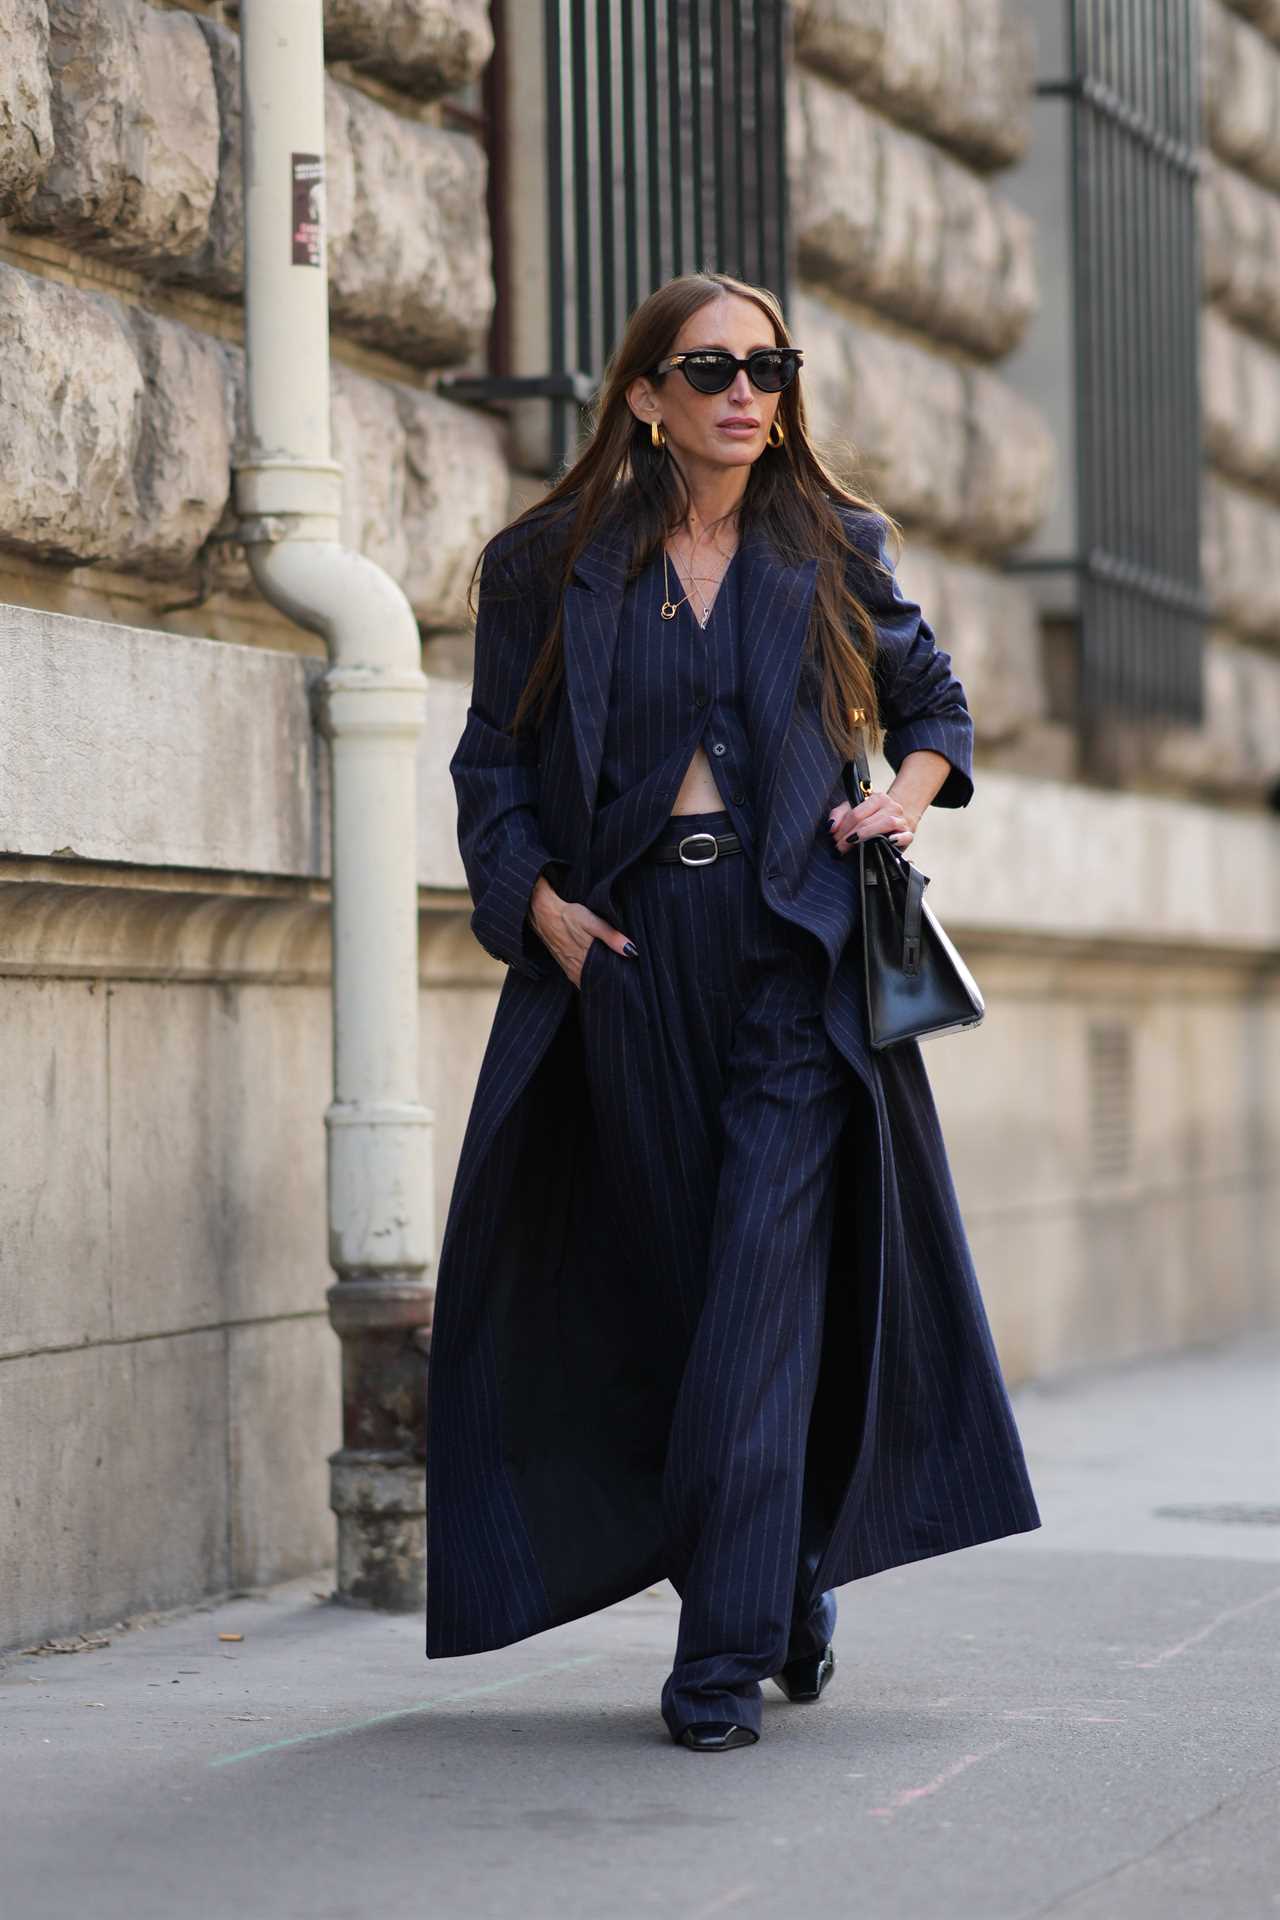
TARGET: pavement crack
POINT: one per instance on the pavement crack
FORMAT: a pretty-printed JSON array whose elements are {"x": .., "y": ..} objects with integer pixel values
[{"x": 1060, "y": 1901}]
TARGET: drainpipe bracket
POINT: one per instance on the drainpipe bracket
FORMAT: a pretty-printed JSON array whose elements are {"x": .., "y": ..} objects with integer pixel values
[
  {"x": 378, "y": 1484},
  {"x": 376, "y": 702},
  {"x": 379, "y": 1304},
  {"x": 273, "y": 529},
  {"x": 289, "y": 487}
]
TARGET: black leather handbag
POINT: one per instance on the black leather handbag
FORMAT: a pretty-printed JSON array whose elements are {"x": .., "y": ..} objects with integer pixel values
[{"x": 917, "y": 984}]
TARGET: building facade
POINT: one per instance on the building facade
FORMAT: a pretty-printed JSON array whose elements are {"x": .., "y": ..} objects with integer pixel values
[{"x": 169, "y": 1383}]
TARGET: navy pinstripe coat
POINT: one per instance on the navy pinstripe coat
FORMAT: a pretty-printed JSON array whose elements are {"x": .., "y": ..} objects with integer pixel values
[{"x": 544, "y": 1450}]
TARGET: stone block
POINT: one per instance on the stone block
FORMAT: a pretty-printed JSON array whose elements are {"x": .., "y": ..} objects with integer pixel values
[
  {"x": 408, "y": 231},
  {"x": 26, "y": 126},
  {"x": 71, "y": 395},
  {"x": 116, "y": 430},
  {"x": 54, "y": 1199},
  {"x": 1241, "y": 93},
  {"x": 1176, "y": 886},
  {"x": 958, "y": 70},
  {"x": 217, "y": 1152},
  {"x": 1240, "y": 238},
  {"x": 424, "y": 47},
  {"x": 1265, "y": 15},
  {"x": 455, "y": 498},
  {"x": 135, "y": 164},
  {"x": 946, "y": 445},
  {"x": 1240, "y": 385},
  {"x": 884, "y": 218},
  {"x": 285, "y": 1420},
  {"x": 118, "y": 1454},
  {"x": 424, "y": 486},
  {"x": 133, "y": 747},
  {"x": 369, "y": 442},
  {"x": 1241, "y": 558},
  {"x": 1235, "y": 753},
  {"x": 1011, "y": 468},
  {"x": 218, "y": 263},
  {"x": 155, "y": 763},
  {"x": 409, "y": 263},
  {"x": 987, "y": 622},
  {"x": 182, "y": 456}
]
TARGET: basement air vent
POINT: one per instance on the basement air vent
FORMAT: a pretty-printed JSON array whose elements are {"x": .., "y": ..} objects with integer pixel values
[{"x": 1110, "y": 1099}]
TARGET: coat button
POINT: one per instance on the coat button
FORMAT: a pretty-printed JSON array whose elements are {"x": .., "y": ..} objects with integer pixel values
[
  {"x": 718, "y": 747},
  {"x": 738, "y": 799}
]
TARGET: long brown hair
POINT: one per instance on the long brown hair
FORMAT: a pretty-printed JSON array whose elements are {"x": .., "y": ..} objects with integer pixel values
[{"x": 791, "y": 496}]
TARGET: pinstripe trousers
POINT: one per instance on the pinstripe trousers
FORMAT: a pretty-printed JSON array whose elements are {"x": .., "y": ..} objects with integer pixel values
[{"x": 718, "y": 1100}]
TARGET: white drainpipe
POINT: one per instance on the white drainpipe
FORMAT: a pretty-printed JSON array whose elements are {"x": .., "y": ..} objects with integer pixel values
[{"x": 372, "y": 710}]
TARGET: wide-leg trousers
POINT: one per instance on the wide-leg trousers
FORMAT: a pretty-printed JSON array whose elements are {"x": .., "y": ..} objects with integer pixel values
[{"x": 718, "y": 1100}]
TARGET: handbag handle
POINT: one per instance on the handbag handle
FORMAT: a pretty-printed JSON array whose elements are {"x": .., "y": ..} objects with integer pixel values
[
  {"x": 913, "y": 906},
  {"x": 861, "y": 765}
]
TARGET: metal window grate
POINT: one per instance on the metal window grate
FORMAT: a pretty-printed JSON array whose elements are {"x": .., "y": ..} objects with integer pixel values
[
  {"x": 1135, "y": 89},
  {"x": 665, "y": 126}
]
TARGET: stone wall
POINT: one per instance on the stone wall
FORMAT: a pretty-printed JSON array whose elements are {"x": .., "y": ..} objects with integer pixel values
[
  {"x": 916, "y": 276},
  {"x": 1237, "y": 752},
  {"x": 120, "y": 323}
]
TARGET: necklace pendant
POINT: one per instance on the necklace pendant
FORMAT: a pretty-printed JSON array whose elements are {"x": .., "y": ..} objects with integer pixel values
[{"x": 668, "y": 611}]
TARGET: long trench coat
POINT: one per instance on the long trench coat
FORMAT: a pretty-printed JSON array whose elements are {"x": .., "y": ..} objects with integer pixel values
[{"x": 545, "y": 1448}]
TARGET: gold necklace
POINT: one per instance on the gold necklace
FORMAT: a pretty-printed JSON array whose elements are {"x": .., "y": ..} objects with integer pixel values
[{"x": 670, "y": 608}]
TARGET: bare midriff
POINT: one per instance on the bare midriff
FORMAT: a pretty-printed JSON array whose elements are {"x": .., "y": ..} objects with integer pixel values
[{"x": 698, "y": 792}]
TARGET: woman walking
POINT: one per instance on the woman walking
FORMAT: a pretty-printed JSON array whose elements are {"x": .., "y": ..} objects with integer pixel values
[{"x": 705, "y": 1305}]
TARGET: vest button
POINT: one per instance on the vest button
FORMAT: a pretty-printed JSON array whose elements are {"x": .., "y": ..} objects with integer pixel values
[
  {"x": 738, "y": 799},
  {"x": 718, "y": 747}
]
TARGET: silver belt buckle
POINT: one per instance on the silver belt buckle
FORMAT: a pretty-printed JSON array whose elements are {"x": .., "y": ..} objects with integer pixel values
[{"x": 713, "y": 855}]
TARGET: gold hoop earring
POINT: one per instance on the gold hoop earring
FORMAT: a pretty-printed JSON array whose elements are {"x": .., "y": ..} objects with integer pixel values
[
  {"x": 657, "y": 437},
  {"x": 782, "y": 432}
]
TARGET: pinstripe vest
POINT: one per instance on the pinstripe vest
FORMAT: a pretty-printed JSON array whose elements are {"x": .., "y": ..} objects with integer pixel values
[{"x": 674, "y": 684}]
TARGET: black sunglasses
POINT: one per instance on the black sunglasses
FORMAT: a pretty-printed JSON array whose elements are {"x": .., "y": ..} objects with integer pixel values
[{"x": 712, "y": 369}]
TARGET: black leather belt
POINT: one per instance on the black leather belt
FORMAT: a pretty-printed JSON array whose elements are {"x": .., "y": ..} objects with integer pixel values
[{"x": 696, "y": 849}]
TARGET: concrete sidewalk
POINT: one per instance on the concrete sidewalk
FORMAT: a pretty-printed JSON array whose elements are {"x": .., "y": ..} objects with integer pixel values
[{"x": 1080, "y": 1722}]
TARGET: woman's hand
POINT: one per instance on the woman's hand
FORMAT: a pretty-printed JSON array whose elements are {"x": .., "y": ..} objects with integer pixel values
[
  {"x": 897, "y": 813},
  {"x": 878, "y": 813},
  {"x": 567, "y": 929}
]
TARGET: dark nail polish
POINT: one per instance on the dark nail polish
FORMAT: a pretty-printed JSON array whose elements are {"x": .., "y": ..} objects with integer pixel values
[{"x": 630, "y": 949}]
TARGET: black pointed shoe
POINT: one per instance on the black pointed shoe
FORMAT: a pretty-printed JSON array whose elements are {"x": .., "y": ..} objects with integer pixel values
[
  {"x": 804, "y": 1679},
  {"x": 716, "y": 1736}
]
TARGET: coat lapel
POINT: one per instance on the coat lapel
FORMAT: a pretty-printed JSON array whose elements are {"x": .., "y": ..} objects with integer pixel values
[{"x": 775, "y": 599}]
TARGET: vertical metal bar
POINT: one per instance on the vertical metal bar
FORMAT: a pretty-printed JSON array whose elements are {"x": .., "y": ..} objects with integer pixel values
[
  {"x": 630, "y": 182},
  {"x": 608, "y": 266},
  {"x": 696, "y": 94},
  {"x": 718, "y": 143},
  {"x": 1193, "y": 429},
  {"x": 782, "y": 276},
  {"x": 581, "y": 185},
  {"x": 1164, "y": 193},
  {"x": 760, "y": 271},
  {"x": 652, "y": 119},
  {"x": 552, "y": 80},
  {"x": 1086, "y": 306},
  {"x": 675, "y": 124},
  {"x": 739, "y": 171}
]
